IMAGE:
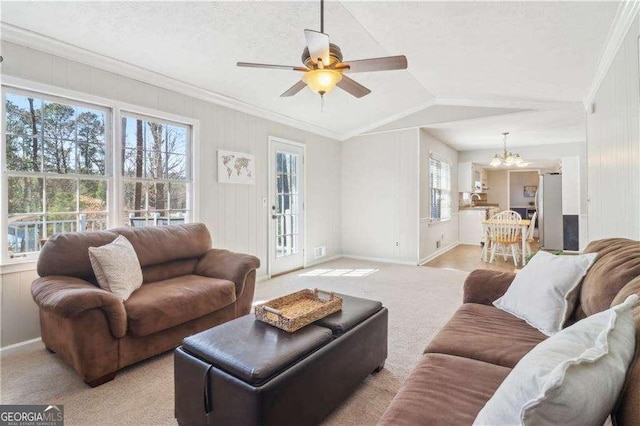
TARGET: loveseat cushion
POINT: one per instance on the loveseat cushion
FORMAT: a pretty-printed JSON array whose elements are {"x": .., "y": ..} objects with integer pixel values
[
  {"x": 164, "y": 304},
  {"x": 486, "y": 333},
  {"x": 444, "y": 390}
]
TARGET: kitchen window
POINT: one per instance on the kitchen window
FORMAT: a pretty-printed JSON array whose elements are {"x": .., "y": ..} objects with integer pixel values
[{"x": 440, "y": 189}]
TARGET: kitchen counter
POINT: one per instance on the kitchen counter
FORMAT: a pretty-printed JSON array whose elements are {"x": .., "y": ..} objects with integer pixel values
[{"x": 482, "y": 207}]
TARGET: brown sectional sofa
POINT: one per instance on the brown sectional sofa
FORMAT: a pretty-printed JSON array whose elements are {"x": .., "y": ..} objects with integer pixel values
[
  {"x": 474, "y": 352},
  {"x": 188, "y": 287}
]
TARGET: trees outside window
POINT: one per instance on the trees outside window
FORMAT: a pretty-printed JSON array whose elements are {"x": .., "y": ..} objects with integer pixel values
[
  {"x": 55, "y": 169},
  {"x": 57, "y": 162}
]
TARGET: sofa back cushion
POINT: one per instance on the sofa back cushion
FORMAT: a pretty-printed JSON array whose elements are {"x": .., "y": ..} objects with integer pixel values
[
  {"x": 164, "y": 252},
  {"x": 68, "y": 254},
  {"x": 618, "y": 263},
  {"x": 160, "y": 244}
]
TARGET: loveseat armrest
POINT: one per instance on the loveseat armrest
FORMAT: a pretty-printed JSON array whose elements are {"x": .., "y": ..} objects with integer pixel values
[
  {"x": 68, "y": 297},
  {"x": 227, "y": 265},
  {"x": 484, "y": 286}
]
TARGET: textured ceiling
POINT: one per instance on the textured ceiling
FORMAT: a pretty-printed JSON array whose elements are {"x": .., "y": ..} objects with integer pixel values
[{"x": 544, "y": 51}]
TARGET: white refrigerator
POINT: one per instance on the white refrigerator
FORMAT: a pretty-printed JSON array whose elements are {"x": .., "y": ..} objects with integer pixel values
[{"x": 549, "y": 206}]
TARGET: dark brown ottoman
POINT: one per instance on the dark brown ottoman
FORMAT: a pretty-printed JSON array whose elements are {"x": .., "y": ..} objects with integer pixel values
[{"x": 245, "y": 372}]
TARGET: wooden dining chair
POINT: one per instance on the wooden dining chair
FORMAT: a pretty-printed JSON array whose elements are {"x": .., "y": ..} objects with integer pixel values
[
  {"x": 486, "y": 242},
  {"x": 530, "y": 234},
  {"x": 503, "y": 234}
]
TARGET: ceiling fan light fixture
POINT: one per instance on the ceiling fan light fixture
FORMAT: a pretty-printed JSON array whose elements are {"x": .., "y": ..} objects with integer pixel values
[{"x": 322, "y": 80}]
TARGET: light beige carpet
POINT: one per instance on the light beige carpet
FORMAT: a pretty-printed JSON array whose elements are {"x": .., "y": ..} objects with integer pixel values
[{"x": 420, "y": 300}]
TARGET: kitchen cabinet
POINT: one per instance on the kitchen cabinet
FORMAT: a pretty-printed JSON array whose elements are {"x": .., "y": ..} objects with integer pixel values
[
  {"x": 470, "y": 229},
  {"x": 471, "y": 177}
]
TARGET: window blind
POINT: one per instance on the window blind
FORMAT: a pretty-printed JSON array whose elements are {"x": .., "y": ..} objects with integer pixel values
[{"x": 440, "y": 189}]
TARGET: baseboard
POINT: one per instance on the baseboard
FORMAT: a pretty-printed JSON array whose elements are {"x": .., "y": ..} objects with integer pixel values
[
  {"x": 438, "y": 253},
  {"x": 379, "y": 259},
  {"x": 262, "y": 278},
  {"x": 20, "y": 344}
]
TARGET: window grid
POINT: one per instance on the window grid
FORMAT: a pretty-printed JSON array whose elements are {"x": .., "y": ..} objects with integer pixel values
[{"x": 440, "y": 189}]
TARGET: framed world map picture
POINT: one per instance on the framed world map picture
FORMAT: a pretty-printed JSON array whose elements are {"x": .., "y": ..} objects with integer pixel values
[{"x": 236, "y": 167}]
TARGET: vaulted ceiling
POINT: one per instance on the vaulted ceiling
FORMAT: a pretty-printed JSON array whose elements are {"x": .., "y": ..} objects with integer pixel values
[{"x": 467, "y": 60}]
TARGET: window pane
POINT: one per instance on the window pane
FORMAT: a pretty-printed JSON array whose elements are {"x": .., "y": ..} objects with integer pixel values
[
  {"x": 178, "y": 196},
  {"x": 61, "y": 222},
  {"x": 24, "y": 115},
  {"x": 135, "y": 196},
  {"x": 59, "y": 156},
  {"x": 59, "y": 121},
  {"x": 133, "y": 128},
  {"x": 158, "y": 196},
  {"x": 61, "y": 195},
  {"x": 89, "y": 125},
  {"x": 24, "y": 154},
  {"x": 25, "y": 195},
  {"x": 279, "y": 162},
  {"x": 177, "y": 167},
  {"x": 24, "y": 233},
  {"x": 93, "y": 222},
  {"x": 91, "y": 159},
  {"x": 155, "y": 167},
  {"x": 176, "y": 139},
  {"x": 93, "y": 195},
  {"x": 133, "y": 163}
]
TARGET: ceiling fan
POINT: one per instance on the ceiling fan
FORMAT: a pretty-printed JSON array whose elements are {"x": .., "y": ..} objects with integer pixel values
[{"x": 324, "y": 69}]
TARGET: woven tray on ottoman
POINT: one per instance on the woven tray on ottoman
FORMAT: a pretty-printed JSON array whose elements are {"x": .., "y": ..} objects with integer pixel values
[
  {"x": 247, "y": 372},
  {"x": 294, "y": 311}
]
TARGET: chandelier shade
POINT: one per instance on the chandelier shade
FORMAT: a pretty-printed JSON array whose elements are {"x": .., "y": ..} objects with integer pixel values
[{"x": 507, "y": 159}]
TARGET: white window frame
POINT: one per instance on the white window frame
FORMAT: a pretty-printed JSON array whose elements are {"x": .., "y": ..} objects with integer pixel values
[
  {"x": 115, "y": 109},
  {"x": 447, "y": 189}
]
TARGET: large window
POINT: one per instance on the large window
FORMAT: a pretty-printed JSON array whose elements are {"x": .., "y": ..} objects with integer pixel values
[
  {"x": 440, "y": 186},
  {"x": 155, "y": 170},
  {"x": 55, "y": 169},
  {"x": 58, "y": 165}
]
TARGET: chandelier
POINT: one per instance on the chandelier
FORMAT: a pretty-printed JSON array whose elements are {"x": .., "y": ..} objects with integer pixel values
[{"x": 507, "y": 158}]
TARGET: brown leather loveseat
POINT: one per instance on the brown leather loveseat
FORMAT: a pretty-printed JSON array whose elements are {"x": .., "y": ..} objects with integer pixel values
[
  {"x": 474, "y": 352},
  {"x": 188, "y": 287}
]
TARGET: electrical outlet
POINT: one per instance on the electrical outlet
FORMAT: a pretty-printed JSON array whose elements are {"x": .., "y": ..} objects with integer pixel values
[
  {"x": 397, "y": 244},
  {"x": 264, "y": 201},
  {"x": 438, "y": 244}
]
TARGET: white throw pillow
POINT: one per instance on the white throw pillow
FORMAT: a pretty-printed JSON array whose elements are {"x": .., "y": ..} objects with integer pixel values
[
  {"x": 572, "y": 378},
  {"x": 116, "y": 267},
  {"x": 544, "y": 293}
]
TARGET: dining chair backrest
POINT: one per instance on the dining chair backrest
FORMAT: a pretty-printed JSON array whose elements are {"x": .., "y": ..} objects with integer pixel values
[
  {"x": 532, "y": 226},
  {"x": 504, "y": 227}
]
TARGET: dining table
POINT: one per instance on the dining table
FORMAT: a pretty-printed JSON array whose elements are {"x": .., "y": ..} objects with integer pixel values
[{"x": 523, "y": 224}]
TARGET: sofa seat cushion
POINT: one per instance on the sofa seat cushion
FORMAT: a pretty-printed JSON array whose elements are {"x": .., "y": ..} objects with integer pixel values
[
  {"x": 444, "y": 390},
  {"x": 487, "y": 334},
  {"x": 165, "y": 304}
]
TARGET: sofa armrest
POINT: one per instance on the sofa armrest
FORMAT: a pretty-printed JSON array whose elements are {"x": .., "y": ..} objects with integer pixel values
[
  {"x": 484, "y": 286},
  {"x": 227, "y": 265},
  {"x": 68, "y": 297}
]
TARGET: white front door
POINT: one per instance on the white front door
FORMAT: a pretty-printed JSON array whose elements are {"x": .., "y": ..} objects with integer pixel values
[{"x": 286, "y": 208}]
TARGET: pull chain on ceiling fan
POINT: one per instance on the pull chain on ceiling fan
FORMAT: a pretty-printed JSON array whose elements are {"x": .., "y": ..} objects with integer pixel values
[{"x": 323, "y": 67}]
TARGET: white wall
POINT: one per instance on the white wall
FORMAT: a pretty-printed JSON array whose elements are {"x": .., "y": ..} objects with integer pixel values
[
  {"x": 233, "y": 213},
  {"x": 517, "y": 181},
  {"x": 446, "y": 232},
  {"x": 613, "y": 144},
  {"x": 498, "y": 192},
  {"x": 380, "y": 196}
]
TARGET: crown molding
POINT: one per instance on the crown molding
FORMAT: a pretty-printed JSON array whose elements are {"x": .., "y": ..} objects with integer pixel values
[
  {"x": 33, "y": 40},
  {"x": 626, "y": 14}
]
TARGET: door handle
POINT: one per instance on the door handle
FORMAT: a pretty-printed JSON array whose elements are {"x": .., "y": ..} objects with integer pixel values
[{"x": 273, "y": 216}]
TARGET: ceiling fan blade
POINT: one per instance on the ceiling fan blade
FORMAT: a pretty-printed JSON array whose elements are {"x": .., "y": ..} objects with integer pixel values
[
  {"x": 277, "y": 67},
  {"x": 294, "y": 89},
  {"x": 353, "y": 87},
  {"x": 318, "y": 44},
  {"x": 375, "y": 64}
]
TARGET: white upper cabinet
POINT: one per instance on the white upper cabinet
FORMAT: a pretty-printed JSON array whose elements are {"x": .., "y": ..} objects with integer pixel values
[{"x": 471, "y": 177}]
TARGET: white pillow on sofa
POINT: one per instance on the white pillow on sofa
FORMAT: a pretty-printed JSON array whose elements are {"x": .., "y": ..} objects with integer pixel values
[
  {"x": 544, "y": 293},
  {"x": 572, "y": 378},
  {"x": 116, "y": 267}
]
